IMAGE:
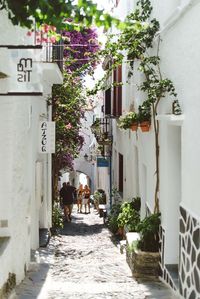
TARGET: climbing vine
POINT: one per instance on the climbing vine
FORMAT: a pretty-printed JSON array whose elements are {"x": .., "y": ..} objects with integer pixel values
[
  {"x": 136, "y": 40},
  {"x": 57, "y": 13},
  {"x": 69, "y": 99}
]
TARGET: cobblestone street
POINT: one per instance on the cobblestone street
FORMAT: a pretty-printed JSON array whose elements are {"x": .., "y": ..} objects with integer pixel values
[{"x": 83, "y": 262}]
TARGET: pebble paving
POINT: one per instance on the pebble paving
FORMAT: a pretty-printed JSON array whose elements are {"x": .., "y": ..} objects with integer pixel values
[{"x": 84, "y": 262}]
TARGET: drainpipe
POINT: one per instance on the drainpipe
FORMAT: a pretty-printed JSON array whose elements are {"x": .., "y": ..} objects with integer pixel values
[
  {"x": 110, "y": 179},
  {"x": 111, "y": 165},
  {"x": 49, "y": 171},
  {"x": 177, "y": 14}
]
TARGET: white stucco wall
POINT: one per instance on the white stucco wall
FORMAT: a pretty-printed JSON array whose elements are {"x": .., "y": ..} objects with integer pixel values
[
  {"x": 81, "y": 164},
  {"x": 25, "y": 175},
  {"x": 179, "y": 142},
  {"x": 184, "y": 54}
]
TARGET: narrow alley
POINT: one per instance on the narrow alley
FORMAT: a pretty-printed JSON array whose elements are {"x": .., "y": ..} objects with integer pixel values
[{"x": 84, "y": 262}]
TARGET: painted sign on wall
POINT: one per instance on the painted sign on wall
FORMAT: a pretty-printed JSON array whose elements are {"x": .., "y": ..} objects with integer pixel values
[
  {"x": 102, "y": 162},
  {"x": 23, "y": 68},
  {"x": 46, "y": 137}
]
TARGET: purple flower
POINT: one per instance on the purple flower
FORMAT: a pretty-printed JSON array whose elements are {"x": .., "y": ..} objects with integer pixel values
[{"x": 80, "y": 49}]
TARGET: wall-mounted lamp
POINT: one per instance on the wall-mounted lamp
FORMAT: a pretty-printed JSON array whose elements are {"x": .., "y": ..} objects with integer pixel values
[{"x": 86, "y": 157}]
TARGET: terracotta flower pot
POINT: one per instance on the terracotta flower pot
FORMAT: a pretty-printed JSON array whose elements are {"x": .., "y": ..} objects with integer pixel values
[
  {"x": 134, "y": 127},
  {"x": 145, "y": 126},
  {"x": 120, "y": 231}
]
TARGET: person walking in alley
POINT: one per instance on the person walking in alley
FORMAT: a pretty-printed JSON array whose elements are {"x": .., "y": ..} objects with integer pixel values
[
  {"x": 67, "y": 193},
  {"x": 86, "y": 199},
  {"x": 79, "y": 197}
]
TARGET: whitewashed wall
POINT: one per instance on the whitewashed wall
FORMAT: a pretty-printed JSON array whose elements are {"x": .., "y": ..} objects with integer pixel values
[
  {"x": 81, "y": 164},
  {"x": 179, "y": 142},
  {"x": 25, "y": 175},
  {"x": 180, "y": 62}
]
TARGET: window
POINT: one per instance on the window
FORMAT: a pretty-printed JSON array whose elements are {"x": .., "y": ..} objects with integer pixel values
[
  {"x": 117, "y": 92},
  {"x": 120, "y": 175},
  {"x": 108, "y": 102}
]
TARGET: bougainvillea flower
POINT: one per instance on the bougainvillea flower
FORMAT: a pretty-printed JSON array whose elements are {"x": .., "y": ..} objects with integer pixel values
[{"x": 68, "y": 126}]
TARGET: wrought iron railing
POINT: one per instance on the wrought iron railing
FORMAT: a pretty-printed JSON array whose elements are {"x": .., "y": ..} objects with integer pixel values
[
  {"x": 54, "y": 53},
  {"x": 58, "y": 54}
]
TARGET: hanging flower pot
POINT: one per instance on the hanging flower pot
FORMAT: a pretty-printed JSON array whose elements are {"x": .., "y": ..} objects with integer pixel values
[
  {"x": 145, "y": 126},
  {"x": 134, "y": 126},
  {"x": 105, "y": 142},
  {"x": 127, "y": 120},
  {"x": 144, "y": 116}
]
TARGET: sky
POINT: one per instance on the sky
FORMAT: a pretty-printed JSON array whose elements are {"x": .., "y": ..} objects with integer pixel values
[
  {"x": 107, "y": 5},
  {"x": 104, "y": 4}
]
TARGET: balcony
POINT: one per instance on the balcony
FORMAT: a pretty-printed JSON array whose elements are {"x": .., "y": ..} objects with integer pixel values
[
  {"x": 102, "y": 129},
  {"x": 54, "y": 53}
]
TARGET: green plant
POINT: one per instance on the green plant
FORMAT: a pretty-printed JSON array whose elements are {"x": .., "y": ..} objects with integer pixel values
[
  {"x": 149, "y": 233},
  {"x": 96, "y": 123},
  {"x": 136, "y": 40},
  {"x": 136, "y": 203},
  {"x": 144, "y": 112},
  {"x": 133, "y": 246},
  {"x": 104, "y": 141},
  {"x": 128, "y": 217},
  {"x": 112, "y": 218},
  {"x": 99, "y": 197},
  {"x": 57, "y": 219},
  {"x": 57, "y": 13},
  {"x": 125, "y": 121}
]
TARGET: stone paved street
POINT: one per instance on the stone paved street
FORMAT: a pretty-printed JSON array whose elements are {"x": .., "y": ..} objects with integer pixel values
[{"x": 84, "y": 263}]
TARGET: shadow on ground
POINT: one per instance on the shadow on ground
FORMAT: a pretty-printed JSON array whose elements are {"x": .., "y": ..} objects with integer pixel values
[
  {"x": 80, "y": 228},
  {"x": 33, "y": 283}
]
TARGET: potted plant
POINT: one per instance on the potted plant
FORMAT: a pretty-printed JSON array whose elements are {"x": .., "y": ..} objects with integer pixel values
[
  {"x": 143, "y": 258},
  {"x": 57, "y": 219},
  {"x": 95, "y": 127},
  {"x": 128, "y": 121},
  {"x": 97, "y": 196},
  {"x": 136, "y": 203},
  {"x": 104, "y": 139},
  {"x": 148, "y": 229},
  {"x": 112, "y": 218},
  {"x": 144, "y": 116},
  {"x": 128, "y": 218}
]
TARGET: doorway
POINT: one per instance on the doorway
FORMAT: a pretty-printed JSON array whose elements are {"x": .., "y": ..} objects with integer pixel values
[{"x": 173, "y": 199}]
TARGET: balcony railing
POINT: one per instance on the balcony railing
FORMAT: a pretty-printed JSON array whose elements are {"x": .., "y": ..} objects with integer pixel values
[
  {"x": 102, "y": 129},
  {"x": 105, "y": 124},
  {"x": 54, "y": 53}
]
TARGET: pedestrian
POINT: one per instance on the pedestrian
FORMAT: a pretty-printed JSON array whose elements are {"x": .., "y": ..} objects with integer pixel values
[
  {"x": 67, "y": 198},
  {"x": 79, "y": 197},
  {"x": 86, "y": 199}
]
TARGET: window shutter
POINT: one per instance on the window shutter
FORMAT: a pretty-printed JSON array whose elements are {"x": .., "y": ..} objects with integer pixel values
[
  {"x": 117, "y": 92},
  {"x": 108, "y": 102},
  {"x": 121, "y": 175}
]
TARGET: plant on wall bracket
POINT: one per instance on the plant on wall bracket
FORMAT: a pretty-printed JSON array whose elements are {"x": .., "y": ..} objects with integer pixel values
[
  {"x": 156, "y": 87},
  {"x": 127, "y": 120}
]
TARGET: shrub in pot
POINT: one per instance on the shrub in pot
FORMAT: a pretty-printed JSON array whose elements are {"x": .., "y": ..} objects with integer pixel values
[
  {"x": 128, "y": 217},
  {"x": 128, "y": 121},
  {"x": 112, "y": 218},
  {"x": 57, "y": 219},
  {"x": 144, "y": 116},
  {"x": 136, "y": 203},
  {"x": 149, "y": 233}
]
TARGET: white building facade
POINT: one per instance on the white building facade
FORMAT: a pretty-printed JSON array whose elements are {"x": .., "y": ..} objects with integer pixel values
[
  {"x": 25, "y": 174},
  {"x": 133, "y": 153},
  {"x": 84, "y": 163}
]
